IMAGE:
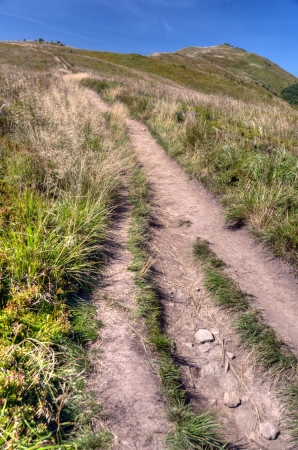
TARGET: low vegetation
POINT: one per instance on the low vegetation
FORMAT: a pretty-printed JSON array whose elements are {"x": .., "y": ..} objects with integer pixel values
[
  {"x": 290, "y": 94},
  {"x": 61, "y": 167},
  {"x": 62, "y": 164}
]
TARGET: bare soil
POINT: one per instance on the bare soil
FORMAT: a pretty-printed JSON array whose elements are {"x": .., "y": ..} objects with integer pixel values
[
  {"x": 123, "y": 381},
  {"x": 183, "y": 210}
]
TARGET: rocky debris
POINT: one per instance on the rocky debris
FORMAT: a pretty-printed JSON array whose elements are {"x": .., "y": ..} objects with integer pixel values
[
  {"x": 215, "y": 331},
  {"x": 231, "y": 355},
  {"x": 227, "y": 366},
  {"x": 197, "y": 286},
  {"x": 269, "y": 431},
  {"x": 172, "y": 290},
  {"x": 231, "y": 399},
  {"x": 188, "y": 344},
  {"x": 202, "y": 336},
  {"x": 210, "y": 369},
  {"x": 205, "y": 348}
]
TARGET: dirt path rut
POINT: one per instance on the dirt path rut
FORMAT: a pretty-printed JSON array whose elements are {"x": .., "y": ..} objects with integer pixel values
[
  {"x": 183, "y": 210},
  {"x": 269, "y": 281},
  {"x": 125, "y": 383}
]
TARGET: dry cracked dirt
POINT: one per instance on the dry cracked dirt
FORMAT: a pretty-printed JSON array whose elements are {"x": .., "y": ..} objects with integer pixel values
[{"x": 217, "y": 374}]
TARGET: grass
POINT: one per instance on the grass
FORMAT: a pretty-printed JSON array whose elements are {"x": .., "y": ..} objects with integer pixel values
[
  {"x": 193, "y": 430},
  {"x": 244, "y": 153},
  {"x": 270, "y": 353},
  {"x": 61, "y": 167}
]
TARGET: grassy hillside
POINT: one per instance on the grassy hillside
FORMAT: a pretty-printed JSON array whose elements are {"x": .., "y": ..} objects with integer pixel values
[
  {"x": 244, "y": 64},
  {"x": 216, "y": 111},
  {"x": 61, "y": 167},
  {"x": 221, "y": 70}
]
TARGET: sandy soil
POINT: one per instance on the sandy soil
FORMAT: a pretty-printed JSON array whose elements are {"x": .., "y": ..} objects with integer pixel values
[
  {"x": 124, "y": 382},
  {"x": 208, "y": 371},
  {"x": 269, "y": 281}
]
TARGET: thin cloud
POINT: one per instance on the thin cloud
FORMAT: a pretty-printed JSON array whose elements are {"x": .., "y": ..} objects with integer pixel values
[{"x": 29, "y": 19}]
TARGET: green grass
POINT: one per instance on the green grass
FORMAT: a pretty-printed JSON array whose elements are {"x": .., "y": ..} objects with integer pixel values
[
  {"x": 271, "y": 354},
  {"x": 193, "y": 430},
  {"x": 290, "y": 94},
  {"x": 251, "y": 167},
  {"x": 55, "y": 209},
  {"x": 239, "y": 62}
]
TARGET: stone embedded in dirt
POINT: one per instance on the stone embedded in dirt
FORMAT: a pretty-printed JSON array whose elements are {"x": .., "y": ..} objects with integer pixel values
[
  {"x": 231, "y": 355},
  {"x": 197, "y": 286},
  {"x": 202, "y": 336},
  {"x": 215, "y": 331},
  {"x": 227, "y": 365},
  {"x": 231, "y": 399},
  {"x": 210, "y": 370},
  {"x": 269, "y": 431},
  {"x": 188, "y": 344},
  {"x": 143, "y": 129},
  {"x": 205, "y": 348}
]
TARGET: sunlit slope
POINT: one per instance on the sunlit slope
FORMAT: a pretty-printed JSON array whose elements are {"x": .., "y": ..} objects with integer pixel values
[
  {"x": 176, "y": 67},
  {"x": 221, "y": 70},
  {"x": 243, "y": 64}
]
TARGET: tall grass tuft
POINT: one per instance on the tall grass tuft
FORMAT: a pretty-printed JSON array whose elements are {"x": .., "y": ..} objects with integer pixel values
[{"x": 61, "y": 166}]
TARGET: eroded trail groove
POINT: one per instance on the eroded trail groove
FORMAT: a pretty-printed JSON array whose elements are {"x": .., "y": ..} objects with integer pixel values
[
  {"x": 213, "y": 372},
  {"x": 269, "y": 282},
  {"x": 125, "y": 383}
]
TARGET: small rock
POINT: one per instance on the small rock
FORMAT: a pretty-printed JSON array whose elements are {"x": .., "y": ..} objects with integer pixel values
[
  {"x": 188, "y": 344},
  {"x": 171, "y": 304},
  {"x": 172, "y": 291},
  {"x": 210, "y": 370},
  {"x": 227, "y": 365},
  {"x": 214, "y": 331},
  {"x": 269, "y": 431},
  {"x": 205, "y": 348},
  {"x": 231, "y": 399},
  {"x": 143, "y": 129},
  {"x": 231, "y": 355},
  {"x": 203, "y": 336}
]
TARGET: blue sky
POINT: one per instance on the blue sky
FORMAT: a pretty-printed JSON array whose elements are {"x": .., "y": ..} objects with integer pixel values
[{"x": 266, "y": 27}]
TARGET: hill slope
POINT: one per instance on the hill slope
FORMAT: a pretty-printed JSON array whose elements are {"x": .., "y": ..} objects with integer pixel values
[
  {"x": 222, "y": 69},
  {"x": 243, "y": 64}
]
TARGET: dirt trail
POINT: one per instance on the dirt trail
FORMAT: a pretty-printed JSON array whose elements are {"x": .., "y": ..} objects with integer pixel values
[
  {"x": 269, "y": 281},
  {"x": 125, "y": 383},
  {"x": 183, "y": 211}
]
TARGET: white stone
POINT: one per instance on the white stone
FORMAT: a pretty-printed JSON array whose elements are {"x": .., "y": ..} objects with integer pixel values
[
  {"x": 231, "y": 355},
  {"x": 227, "y": 366},
  {"x": 203, "y": 336},
  {"x": 268, "y": 431},
  {"x": 188, "y": 344},
  {"x": 231, "y": 399}
]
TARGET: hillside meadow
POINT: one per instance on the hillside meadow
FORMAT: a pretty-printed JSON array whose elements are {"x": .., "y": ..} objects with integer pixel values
[
  {"x": 62, "y": 164},
  {"x": 246, "y": 153}
]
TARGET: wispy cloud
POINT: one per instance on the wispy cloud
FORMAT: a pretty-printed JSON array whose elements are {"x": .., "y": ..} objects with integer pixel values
[{"x": 29, "y": 19}]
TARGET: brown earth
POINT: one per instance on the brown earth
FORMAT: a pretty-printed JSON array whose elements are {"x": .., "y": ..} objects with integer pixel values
[
  {"x": 183, "y": 211},
  {"x": 123, "y": 381}
]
